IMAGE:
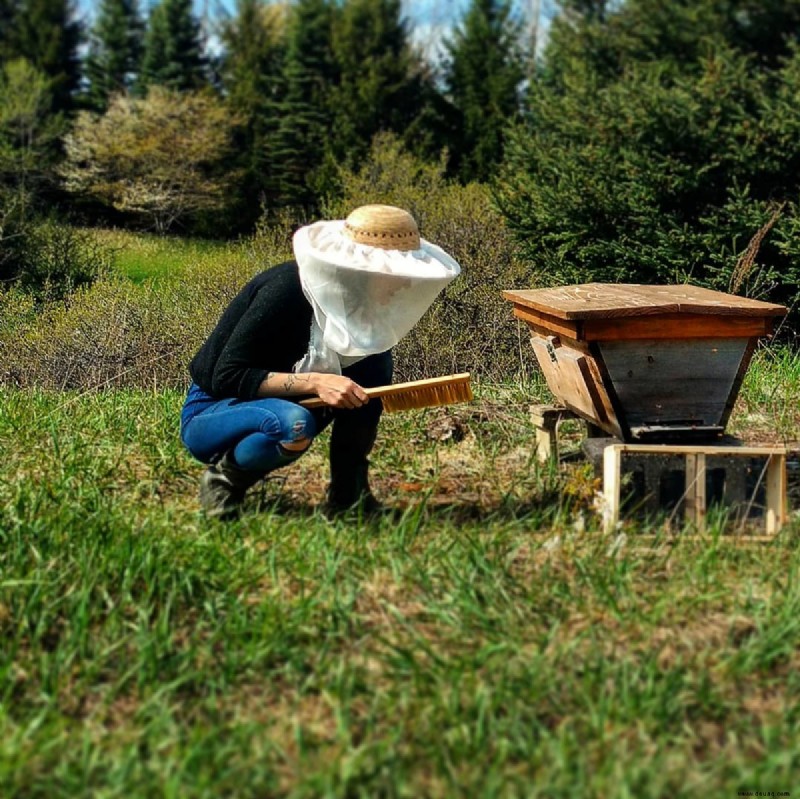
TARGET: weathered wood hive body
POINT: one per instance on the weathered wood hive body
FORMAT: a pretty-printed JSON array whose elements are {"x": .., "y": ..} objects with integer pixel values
[{"x": 645, "y": 363}]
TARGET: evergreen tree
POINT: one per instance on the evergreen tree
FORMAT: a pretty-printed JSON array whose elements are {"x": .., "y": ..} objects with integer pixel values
[
  {"x": 380, "y": 85},
  {"x": 483, "y": 76},
  {"x": 300, "y": 143},
  {"x": 173, "y": 48},
  {"x": 674, "y": 33},
  {"x": 47, "y": 34},
  {"x": 589, "y": 9},
  {"x": 114, "y": 52},
  {"x": 251, "y": 71},
  {"x": 29, "y": 134},
  {"x": 8, "y": 19},
  {"x": 680, "y": 162}
]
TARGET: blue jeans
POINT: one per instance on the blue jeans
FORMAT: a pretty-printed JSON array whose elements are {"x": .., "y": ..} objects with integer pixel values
[{"x": 258, "y": 430}]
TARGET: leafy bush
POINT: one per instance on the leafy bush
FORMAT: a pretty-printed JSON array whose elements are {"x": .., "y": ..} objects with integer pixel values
[
  {"x": 49, "y": 259},
  {"x": 60, "y": 258},
  {"x": 158, "y": 158},
  {"x": 470, "y": 326},
  {"x": 662, "y": 175}
]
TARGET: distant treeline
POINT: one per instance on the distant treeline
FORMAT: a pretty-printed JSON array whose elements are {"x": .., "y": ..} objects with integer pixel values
[
  {"x": 291, "y": 92},
  {"x": 647, "y": 140}
]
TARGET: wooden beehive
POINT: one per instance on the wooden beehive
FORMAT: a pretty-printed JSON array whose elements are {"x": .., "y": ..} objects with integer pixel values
[{"x": 645, "y": 362}]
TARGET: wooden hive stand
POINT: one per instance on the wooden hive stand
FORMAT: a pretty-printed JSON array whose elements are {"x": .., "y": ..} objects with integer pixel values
[
  {"x": 547, "y": 420},
  {"x": 696, "y": 459}
]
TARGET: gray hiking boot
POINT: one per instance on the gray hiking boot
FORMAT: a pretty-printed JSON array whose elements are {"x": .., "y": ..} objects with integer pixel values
[{"x": 223, "y": 486}]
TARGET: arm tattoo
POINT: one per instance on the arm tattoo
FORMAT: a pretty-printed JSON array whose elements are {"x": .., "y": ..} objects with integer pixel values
[{"x": 292, "y": 380}]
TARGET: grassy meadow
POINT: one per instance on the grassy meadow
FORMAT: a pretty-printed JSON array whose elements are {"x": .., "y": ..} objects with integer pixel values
[
  {"x": 140, "y": 257},
  {"x": 483, "y": 640}
]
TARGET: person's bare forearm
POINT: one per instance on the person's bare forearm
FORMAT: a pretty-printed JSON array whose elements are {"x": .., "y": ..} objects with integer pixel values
[
  {"x": 288, "y": 384},
  {"x": 335, "y": 390}
]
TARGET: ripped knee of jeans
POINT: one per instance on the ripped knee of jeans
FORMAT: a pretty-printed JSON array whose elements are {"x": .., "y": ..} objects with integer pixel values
[
  {"x": 295, "y": 447},
  {"x": 298, "y": 439}
]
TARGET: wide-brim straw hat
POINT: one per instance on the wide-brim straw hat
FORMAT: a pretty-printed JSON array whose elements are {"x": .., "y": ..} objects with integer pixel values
[
  {"x": 375, "y": 238},
  {"x": 370, "y": 277}
]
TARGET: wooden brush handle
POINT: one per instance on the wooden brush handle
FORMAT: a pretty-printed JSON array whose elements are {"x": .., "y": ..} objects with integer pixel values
[{"x": 396, "y": 388}]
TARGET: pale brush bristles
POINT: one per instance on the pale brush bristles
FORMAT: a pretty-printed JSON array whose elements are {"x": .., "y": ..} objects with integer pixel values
[
  {"x": 428, "y": 397},
  {"x": 427, "y": 393}
]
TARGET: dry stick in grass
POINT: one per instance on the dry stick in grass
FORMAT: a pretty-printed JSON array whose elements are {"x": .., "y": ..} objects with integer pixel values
[
  {"x": 446, "y": 390},
  {"x": 746, "y": 260}
]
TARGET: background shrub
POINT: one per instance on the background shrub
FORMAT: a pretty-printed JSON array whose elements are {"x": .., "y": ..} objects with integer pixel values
[
  {"x": 49, "y": 259},
  {"x": 470, "y": 326},
  {"x": 59, "y": 259},
  {"x": 117, "y": 332}
]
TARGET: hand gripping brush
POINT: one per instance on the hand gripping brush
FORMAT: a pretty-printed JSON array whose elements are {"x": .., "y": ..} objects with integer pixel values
[{"x": 433, "y": 391}]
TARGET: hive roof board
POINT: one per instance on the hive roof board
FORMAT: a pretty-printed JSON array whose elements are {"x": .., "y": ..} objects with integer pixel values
[{"x": 616, "y": 300}]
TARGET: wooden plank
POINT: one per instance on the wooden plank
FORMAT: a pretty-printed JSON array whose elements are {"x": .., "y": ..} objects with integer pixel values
[
  {"x": 548, "y": 325},
  {"x": 607, "y": 301},
  {"x": 546, "y": 444},
  {"x": 590, "y": 300},
  {"x": 616, "y": 413},
  {"x": 561, "y": 368},
  {"x": 546, "y": 419},
  {"x": 593, "y": 389},
  {"x": 695, "y": 500},
  {"x": 674, "y": 431},
  {"x": 675, "y": 326},
  {"x": 685, "y": 382},
  {"x": 776, "y": 493},
  {"x": 696, "y": 299},
  {"x": 710, "y": 449},
  {"x": 612, "y": 475},
  {"x": 573, "y": 381},
  {"x": 738, "y": 380}
]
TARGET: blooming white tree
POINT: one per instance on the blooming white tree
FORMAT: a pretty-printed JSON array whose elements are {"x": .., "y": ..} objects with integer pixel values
[{"x": 161, "y": 157}]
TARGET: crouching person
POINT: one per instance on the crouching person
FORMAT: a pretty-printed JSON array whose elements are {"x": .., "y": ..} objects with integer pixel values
[
  {"x": 246, "y": 439},
  {"x": 321, "y": 325}
]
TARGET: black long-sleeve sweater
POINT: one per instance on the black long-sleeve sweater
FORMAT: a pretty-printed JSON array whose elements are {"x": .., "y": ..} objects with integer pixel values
[{"x": 265, "y": 328}]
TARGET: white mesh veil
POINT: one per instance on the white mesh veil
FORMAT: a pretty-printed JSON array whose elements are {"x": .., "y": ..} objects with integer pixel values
[{"x": 364, "y": 298}]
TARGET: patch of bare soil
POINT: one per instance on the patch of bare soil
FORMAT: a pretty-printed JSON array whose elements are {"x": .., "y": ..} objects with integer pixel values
[
  {"x": 707, "y": 634},
  {"x": 457, "y": 472}
]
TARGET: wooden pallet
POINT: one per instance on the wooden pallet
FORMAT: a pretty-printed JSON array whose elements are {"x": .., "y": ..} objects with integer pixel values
[{"x": 695, "y": 469}]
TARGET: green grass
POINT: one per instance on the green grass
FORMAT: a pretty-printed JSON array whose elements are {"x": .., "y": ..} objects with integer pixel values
[
  {"x": 480, "y": 643},
  {"x": 770, "y": 394},
  {"x": 142, "y": 256}
]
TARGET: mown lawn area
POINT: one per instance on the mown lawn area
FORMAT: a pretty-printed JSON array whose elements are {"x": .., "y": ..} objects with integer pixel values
[
  {"x": 484, "y": 641},
  {"x": 143, "y": 256}
]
